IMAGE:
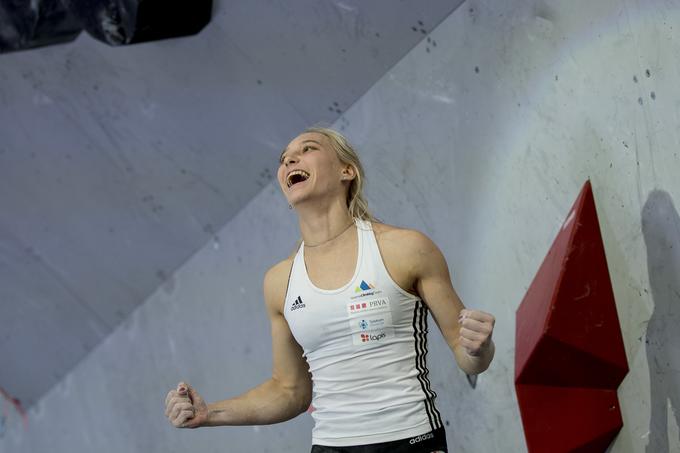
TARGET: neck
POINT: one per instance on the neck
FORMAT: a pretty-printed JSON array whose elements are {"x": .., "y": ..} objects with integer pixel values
[{"x": 323, "y": 225}]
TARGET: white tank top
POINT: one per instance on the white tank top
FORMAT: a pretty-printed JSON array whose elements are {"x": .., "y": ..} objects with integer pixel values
[{"x": 366, "y": 345}]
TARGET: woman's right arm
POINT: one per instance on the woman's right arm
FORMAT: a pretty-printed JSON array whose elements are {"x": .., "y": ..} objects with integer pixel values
[{"x": 285, "y": 395}]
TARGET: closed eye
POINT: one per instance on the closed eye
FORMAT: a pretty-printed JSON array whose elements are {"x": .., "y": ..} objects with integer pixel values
[{"x": 304, "y": 150}]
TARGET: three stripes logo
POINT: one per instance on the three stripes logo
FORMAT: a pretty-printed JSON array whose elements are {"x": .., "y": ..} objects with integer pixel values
[
  {"x": 297, "y": 304},
  {"x": 420, "y": 334}
]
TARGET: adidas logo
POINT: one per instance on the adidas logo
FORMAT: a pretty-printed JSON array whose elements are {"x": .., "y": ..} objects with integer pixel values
[
  {"x": 421, "y": 438},
  {"x": 297, "y": 304}
]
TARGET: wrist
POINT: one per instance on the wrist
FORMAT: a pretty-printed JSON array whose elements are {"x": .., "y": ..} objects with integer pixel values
[
  {"x": 215, "y": 415},
  {"x": 482, "y": 359},
  {"x": 477, "y": 363}
]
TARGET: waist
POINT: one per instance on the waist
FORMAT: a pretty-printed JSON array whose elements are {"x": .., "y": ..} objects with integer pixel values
[{"x": 434, "y": 440}]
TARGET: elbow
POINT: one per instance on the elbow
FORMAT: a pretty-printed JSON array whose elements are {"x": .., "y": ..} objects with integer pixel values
[
  {"x": 299, "y": 403},
  {"x": 305, "y": 399},
  {"x": 299, "y": 398},
  {"x": 304, "y": 407}
]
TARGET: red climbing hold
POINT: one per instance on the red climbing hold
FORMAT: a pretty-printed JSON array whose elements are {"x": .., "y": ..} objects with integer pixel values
[{"x": 570, "y": 357}]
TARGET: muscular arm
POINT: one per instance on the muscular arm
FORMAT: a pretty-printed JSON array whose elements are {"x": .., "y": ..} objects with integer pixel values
[
  {"x": 289, "y": 391},
  {"x": 466, "y": 337}
]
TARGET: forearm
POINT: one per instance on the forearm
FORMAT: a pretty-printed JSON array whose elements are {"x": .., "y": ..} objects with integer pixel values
[
  {"x": 268, "y": 403},
  {"x": 474, "y": 364}
]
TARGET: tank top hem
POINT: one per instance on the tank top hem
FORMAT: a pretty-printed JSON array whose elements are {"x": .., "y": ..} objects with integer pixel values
[{"x": 373, "y": 438}]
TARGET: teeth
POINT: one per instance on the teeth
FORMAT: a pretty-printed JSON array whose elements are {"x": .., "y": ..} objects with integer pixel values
[{"x": 296, "y": 172}]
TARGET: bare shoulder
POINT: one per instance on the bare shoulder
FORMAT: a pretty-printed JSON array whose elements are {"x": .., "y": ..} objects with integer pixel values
[
  {"x": 405, "y": 252},
  {"x": 276, "y": 284},
  {"x": 407, "y": 241}
]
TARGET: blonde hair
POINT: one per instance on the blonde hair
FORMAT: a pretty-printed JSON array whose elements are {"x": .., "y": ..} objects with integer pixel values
[{"x": 356, "y": 201}]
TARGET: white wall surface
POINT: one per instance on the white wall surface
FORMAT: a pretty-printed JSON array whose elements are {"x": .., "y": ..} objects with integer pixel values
[{"x": 481, "y": 137}]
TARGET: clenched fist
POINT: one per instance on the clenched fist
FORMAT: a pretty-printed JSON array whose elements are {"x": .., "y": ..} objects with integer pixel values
[
  {"x": 476, "y": 328},
  {"x": 185, "y": 408}
]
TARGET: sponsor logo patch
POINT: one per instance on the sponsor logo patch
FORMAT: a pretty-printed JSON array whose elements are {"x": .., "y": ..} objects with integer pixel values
[
  {"x": 370, "y": 321},
  {"x": 366, "y": 337},
  {"x": 363, "y": 287},
  {"x": 380, "y": 304},
  {"x": 365, "y": 290}
]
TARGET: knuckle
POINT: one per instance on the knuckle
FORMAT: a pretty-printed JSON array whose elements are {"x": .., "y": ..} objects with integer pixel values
[{"x": 186, "y": 415}]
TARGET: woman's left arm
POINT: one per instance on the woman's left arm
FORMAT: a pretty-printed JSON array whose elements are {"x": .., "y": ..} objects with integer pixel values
[{"x": 467, "y": 332}]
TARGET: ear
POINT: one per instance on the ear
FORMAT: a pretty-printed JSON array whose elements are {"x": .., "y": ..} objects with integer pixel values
[{"x": 348, "y": 173}]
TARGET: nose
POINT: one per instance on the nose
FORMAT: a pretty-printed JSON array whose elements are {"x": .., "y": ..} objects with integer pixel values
[{"x": 290, "y": 159}]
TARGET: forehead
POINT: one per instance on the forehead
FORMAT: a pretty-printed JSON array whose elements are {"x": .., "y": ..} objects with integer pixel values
[{"x": 306, "y": 137}]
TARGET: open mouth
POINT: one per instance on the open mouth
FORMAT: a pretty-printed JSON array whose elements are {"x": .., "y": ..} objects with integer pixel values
[{"x": 296, "y": 176}]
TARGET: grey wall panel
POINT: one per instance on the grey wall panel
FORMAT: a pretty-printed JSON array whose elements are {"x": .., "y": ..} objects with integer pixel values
[
  {"x": 207, "y": 325},
  {"x": 117, "y": 164},
  {"x": 481, "y": 141},
  {"x": 484, "y": 142}
]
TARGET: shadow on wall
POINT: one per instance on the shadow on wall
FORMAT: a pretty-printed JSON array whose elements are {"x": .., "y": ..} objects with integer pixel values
[{"x": 661, "y": 230}]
